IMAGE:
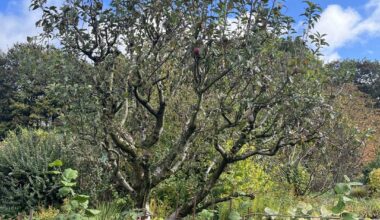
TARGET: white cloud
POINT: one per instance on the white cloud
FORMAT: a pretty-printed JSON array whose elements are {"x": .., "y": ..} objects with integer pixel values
[
  {"x": 339, "y": 24},
  {"x": 371, "y": 25},
  {"x": 345, "y": 25},
  {"x": 17, "y": 23},
  {"x": 332, "y": 56}
]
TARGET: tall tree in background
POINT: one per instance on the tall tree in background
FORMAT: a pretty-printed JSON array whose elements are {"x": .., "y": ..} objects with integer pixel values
[
  {"x": 176, "y": 80},
  {"x": 6, "y": 88},
  {"x": 27, "y": 74}
]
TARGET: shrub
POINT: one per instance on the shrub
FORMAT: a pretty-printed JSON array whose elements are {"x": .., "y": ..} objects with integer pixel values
[
  {"x": 340, "y": 209},
  {"x": 375, "y": 164},
  {"x": 109, "y": 211},
  {"x": 368, "y": 208},
  {"x": 298, "y": 178},
  {"x": 374, "y": 179},
  {"x": 360, "y": 192},
  {"x": 25, "y": 182},
  {"x": 46, "y": 213}
]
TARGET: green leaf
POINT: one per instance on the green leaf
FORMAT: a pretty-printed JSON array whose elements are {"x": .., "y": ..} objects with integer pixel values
[
  {"x": 65, "y": 191},
  {"x": 70, "y": 174},
  {"x": 74, "y": 204},
  {"x": 81, "y": 198},
  {"x": 339, "y": 207},
  {"x": 56, "y": 163},
  {"x": 54, "y": 172},
  {"x": 234, "y": 215},
  {"x": 346, "y": 199},
  {"x": 92, "y": 212},
  {"x": 325, "y": 212},
  {"x": 207, "y": 214},
  {"x": 342, "y": 188},
  {"x": 349, "y": 216},
  {"x": 68, "y": 184},
  {"x": 83, "y": 205}
]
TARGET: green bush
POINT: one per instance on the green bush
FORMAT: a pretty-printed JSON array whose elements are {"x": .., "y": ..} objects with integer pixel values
[
  {"x": 298, "y": 178},
  {"x": 25, "y": 182}
]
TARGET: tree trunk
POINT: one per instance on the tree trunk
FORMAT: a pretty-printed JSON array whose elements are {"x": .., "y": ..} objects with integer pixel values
[
  {"x": 146, "y": 215},
  {"x": 142, "y": 200}
]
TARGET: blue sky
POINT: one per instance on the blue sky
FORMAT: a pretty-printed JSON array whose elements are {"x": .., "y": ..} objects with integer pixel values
[{"x": 352, "y": 26}]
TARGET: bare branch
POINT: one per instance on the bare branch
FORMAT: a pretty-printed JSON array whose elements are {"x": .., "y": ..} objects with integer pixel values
[
  {"x": 272, "y": 151},
  {"x": 220, "y": 150},
  {"x": 144, "y": 102},
  {"x": 214, "y": 80}
]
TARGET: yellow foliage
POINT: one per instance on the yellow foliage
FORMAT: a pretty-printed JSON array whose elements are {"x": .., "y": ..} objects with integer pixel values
[
  {"x": 374, "y": 179},
  {"x": 46, "y": 214},
  {"x": 249, "y": 177},
  {"x": 158, "y": 209}
]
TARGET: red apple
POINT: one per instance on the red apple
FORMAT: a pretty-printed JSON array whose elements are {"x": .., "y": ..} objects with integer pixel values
[{"x": 196, "y": 51}]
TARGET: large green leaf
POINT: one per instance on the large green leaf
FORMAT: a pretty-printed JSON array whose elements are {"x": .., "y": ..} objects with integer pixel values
[
  {"x": 70, "y": 174},
  {"x": 92, "y": 212},
  {"x": 349, "y": 216},
  {"x": 342, "y": 188},
  {"x": 339, "y": 207},
  {"x": 65, "y": 191},
  {"x": 82, "y": 198}
]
